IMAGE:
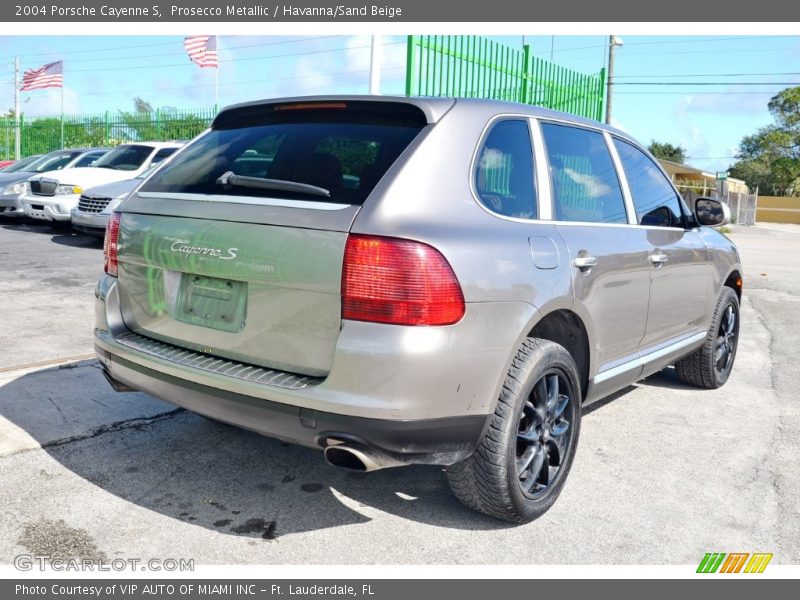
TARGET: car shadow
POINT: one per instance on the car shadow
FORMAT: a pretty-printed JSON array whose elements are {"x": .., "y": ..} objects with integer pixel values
[
  {"x": 60, "y": 234},
  {"x": 668, "y": 378},
  {"x": 209, "y": 474}
]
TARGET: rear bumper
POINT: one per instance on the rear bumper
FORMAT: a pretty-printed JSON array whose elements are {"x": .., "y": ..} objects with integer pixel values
[
  {"x": 420, "y": 394},
  {"x": 430, "y": 441}
]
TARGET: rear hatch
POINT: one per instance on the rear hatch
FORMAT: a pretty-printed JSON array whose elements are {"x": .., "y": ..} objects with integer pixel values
[{"x": 235, "y": 247}]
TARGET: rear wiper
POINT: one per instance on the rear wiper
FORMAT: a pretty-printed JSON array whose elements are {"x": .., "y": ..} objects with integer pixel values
[{"x": 231, "y": 178}]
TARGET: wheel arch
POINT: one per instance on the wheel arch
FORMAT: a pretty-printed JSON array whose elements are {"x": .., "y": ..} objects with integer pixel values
[
  {"x": 734, "y": 281},
  {"x": 566, "y": 328}
]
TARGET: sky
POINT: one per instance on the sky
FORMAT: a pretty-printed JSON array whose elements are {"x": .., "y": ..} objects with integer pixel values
[{"x": 701, "y": 92}]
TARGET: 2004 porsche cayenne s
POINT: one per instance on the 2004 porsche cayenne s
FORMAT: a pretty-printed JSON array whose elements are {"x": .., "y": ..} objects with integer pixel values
[{"x": 415, "y": 281}]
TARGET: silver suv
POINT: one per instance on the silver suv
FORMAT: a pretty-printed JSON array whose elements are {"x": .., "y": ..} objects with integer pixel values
[{"x": 429, "y": 281}]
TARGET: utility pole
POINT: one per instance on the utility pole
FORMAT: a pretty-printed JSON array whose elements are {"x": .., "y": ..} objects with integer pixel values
[
  {"x": 17, "y": 144},
  {"x": 375, "y": 58},
  {"x": 613, "y": 42}
]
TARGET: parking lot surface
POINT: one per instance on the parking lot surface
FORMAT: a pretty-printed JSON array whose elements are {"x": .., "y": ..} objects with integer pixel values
[{"x": 663, "y": 473}]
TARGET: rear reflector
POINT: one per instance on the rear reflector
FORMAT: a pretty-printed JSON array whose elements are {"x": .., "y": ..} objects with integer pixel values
[
  {"x": 402, "y": 282},
  {"x": 110, "y": 245}
]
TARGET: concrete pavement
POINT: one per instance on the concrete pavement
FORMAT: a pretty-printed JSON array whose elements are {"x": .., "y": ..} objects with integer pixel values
[{"x": 663, "y": 472}]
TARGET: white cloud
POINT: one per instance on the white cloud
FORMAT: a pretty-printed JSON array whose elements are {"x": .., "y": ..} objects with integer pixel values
[
  {"x": 729, "y": 102},
  {"x": 47, "y": 102}
]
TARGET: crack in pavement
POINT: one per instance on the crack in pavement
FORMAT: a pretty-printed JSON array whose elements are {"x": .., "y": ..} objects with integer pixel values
[
  {"x": 780, "y": 439},
  {"x": 103, "y": 429}
]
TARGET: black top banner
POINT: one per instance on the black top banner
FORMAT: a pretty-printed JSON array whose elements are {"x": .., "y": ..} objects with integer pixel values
[{"x": 463, "y": 11}]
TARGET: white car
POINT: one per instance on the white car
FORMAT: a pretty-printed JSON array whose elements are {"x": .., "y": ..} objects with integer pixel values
[
  {"x": 51, "y": 196},
  {"x": 96, "y": 204}
]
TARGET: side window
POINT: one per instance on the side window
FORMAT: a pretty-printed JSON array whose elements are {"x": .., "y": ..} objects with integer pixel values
[
  {"x": 87, "y": 160},
  {"x": 504, "y": 176},
  {"x": 162, "y": 154},
  {"x": 585, "y": 183},
  {"x": 654, "y": 198}
]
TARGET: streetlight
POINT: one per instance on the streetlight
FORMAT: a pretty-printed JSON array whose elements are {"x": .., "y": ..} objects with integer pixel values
[{"x": 613, "y": 42}]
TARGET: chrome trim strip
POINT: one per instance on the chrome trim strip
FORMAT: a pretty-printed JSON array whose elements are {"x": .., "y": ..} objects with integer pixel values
[
  {"x": 647, "y": 358},
  {"x": 622, "y": 177},
  {"x": 245, "y": 200},
  {"x": 542, "y": 166}
]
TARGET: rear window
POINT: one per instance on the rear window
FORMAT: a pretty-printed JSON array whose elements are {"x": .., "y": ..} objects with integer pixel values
[{"x": 343, "y": 150}]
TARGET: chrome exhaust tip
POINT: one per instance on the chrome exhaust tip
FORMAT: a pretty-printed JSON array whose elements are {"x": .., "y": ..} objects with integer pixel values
[{"x": 355, "y": 457}]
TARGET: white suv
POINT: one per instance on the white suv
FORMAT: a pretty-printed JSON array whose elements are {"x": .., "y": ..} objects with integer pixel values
[{"x": 51, "y": 196}]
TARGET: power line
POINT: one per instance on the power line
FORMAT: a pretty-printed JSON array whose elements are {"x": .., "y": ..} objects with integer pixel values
[
  {"x": 710, "y": 40},
  {"x": 230, "y": 60},
  {"x": 730, "y": 93},
  {"x": 153, "y": 45},
  {"x": 710, "y": 75},
  {"x": 183, "y": 52},
  {"x": 685, "y": 83},
  {"x": 232, "y": 84}
]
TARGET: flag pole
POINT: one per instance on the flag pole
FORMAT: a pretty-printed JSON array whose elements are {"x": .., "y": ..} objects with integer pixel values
[
  {"x": 17, "y": 141},
  {"x": 216, "y": 89},
  {"x": 62, "y": 114}
]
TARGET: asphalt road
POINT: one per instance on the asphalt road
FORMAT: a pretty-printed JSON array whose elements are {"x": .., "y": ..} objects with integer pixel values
[{"x": 663, "y": 473}]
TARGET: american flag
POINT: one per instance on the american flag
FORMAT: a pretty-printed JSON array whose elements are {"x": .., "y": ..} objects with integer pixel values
[
  {"x": 202, "y": 50},
  {"x": 46, "y": 76}
]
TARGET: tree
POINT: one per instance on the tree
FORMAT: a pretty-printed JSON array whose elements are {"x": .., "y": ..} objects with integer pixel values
[
  {"x": 142, "y": 106},
  {"x": 667, "y": 151},
  {"x": 166, "y": 123},
  {"x": 770, "y": 158}
]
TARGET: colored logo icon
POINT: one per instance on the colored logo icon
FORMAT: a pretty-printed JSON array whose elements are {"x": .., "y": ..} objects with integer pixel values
[{"x": 735, "y": 562}]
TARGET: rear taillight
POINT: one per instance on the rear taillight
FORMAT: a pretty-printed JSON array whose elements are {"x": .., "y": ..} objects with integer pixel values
[
  {"x": 402, "y": 282},
  {"x": 110, "y": 244}
]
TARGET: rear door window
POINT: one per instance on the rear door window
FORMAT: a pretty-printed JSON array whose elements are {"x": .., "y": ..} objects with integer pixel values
[
  {"x": 504, "y": 176},
  {"x": 340, "y": 149},
  {"x": 585, "y": 183}
]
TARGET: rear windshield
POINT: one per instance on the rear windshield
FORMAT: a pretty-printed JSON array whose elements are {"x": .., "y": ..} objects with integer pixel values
[{"x": 345, "y": 151}]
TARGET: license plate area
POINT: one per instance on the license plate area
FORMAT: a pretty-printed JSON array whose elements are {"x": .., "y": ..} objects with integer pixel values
[{"x": 212, "y": 302}]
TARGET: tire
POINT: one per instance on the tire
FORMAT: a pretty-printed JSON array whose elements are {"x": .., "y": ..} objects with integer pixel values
[
  {"x": 490, "y": 480},
  {"x": 704, "y": 367}
]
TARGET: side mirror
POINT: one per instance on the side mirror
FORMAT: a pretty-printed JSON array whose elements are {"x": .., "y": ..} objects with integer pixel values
[{"x": 713, "y": 213}]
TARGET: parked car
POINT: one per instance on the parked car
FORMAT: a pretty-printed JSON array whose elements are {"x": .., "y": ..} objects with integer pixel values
[
  {"x": 19, "y": 165},
  {"x": 6, "y": 163},
  {"x": 12, "y": 181},
  {"x": 496, "y": 268},
  {"x": 96, "y": 204},
  {"x": 51, "y": 196}
]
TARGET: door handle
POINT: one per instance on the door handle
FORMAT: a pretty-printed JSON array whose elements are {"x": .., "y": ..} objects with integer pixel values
[
  {"x": 658, "y": 259},
  {"x": 585, "y": 262}
]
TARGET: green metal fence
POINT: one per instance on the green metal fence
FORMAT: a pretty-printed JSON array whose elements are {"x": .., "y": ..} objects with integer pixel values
[
  {"x": 477, "y": 67},
  {"x": 44, "y": 134}
]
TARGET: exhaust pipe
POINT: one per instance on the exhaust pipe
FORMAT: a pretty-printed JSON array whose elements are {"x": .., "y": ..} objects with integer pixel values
[
  {"x": 118, "y": 386},
  {"x": 356, "y": 457}
]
